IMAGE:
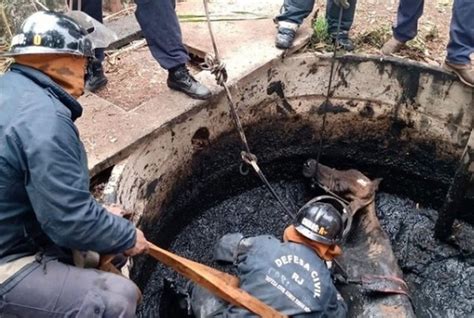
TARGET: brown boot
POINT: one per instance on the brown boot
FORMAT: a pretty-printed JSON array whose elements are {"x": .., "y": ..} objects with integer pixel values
[
  {"x": 465, "y": 72},
  {"x": 392, "y": 46}
]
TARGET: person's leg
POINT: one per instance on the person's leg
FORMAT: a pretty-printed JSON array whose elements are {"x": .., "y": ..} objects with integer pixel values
[
  {"x": 60, "y": 290},
  {"x": 295, "y": 11},
  {"x": 291, "y": 17},
  {"x": 93, "y": 8},
  {"x": 160, "y": 26},
  {"x": 332, "y": 17},
  {"x": 96, "y": 78},
  {"x": 406, "y": 26},
  {"x": 461, "y": 35},
  {"x": 461, "y": 41},
  {"x": 409, "y": 12}
]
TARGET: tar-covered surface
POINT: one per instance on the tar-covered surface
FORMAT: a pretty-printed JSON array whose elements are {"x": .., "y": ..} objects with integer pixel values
[
  {"x": 440, "y": 276},
  {"x": 216, "y": 199}
]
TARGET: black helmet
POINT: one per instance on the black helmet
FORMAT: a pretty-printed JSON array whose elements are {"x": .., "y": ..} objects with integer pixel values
[
  {"x": 47, "y": 32},
  {"x": 320, "y": 221}
]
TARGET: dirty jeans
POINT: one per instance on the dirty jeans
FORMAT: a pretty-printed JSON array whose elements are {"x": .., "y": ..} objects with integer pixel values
[
  {"x": 61, "y": 290},
  {"x": 297, "y": 10},
  {"x": 160, "y": 26},
  {"x": 461, "y": 42}
]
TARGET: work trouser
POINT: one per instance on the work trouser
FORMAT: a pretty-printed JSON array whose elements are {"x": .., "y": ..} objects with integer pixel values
[
  {"x": 55, "y": 289},
  {"x": 461, "y": 42},
  {"x": 160, "y": 26},
  {"x": 92, "y": 8},
  {"x": 297, "y": 10}
]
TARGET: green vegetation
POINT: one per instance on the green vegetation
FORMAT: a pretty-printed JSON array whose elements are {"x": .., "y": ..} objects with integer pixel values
[{"x": 320, "y": 30}]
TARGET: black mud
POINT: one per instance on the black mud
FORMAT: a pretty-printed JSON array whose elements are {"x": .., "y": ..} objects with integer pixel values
[
  {"x": 440, "y": 276},
  {"x": 215, "y": 199}
]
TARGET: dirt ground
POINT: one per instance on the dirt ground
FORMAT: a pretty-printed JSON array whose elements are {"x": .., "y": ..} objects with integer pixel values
[
  {"x": 374, "y": 19},
  {"x": 140, "y": 77}
]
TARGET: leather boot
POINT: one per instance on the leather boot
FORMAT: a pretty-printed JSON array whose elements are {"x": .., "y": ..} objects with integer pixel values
[
  {"x": 392, "y": 46},
  {"x": 179, "y": 79},
  {"x": 465, "y": 72},
  {"x": 96, "y": 78}
]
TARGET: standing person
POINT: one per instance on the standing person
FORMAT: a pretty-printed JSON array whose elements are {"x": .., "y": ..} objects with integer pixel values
[
  {"x": 96, "y": 78},
  {"x": 295, "y": 11},
  {"x": 160, "y": 26},
  {"x": 46, "y": 209},
  {"x": 290, "y": 276},
  {"x": 461, "y": 35}
]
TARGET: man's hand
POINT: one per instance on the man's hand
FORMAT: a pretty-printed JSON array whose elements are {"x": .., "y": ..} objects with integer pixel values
[
  {"x": 118, "y": 210},
  {"x": 141, "y": 245},
  {"x": 342, "y": 3}
]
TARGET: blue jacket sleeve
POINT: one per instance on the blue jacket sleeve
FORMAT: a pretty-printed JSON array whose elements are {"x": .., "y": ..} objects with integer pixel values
[{"x": 58, "y": 189}]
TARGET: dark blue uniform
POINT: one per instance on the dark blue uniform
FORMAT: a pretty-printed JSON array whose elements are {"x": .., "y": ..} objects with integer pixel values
[
  {"x": 160, "y": 27},
  {"x": 289, "y": 277},
  {"x": 44, "y": 179},
  {"x": 46, "y": 208}
]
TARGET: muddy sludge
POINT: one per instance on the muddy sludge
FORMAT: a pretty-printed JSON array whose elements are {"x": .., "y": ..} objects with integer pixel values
[
  {"x": 439, "y": 275},
  {"x": 215, "y": 199}
]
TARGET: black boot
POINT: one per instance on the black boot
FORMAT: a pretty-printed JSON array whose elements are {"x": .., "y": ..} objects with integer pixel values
[
  {"x": 179, "y": 79},
  {"x": 96, "y": 78},
  {"x": 343, "y": 41}
]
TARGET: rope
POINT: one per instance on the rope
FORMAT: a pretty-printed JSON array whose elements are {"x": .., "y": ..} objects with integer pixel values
[
  {"x": 329, "y": 93},
  {"x": 217, "y": 68}
]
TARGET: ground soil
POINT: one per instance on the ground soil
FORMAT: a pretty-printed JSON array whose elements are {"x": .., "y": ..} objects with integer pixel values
[
  {"x": 374, "y": 19},
  {"x": 140, "y": 77},
  {"x": 137, "y": 74}
]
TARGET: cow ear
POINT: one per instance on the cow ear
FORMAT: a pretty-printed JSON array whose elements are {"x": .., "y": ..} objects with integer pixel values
[
  {"x": 376, "y": 183},
  {"x": 356, "y": 205}
]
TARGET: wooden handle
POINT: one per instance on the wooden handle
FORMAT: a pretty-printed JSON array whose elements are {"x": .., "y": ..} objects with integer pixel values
[{"x": 219, "y": 283}]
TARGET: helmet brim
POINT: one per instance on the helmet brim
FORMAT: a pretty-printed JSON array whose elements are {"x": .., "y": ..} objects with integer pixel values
[
  {"x": 313, "y": 236},
  {"x": 40, "y": 50}
]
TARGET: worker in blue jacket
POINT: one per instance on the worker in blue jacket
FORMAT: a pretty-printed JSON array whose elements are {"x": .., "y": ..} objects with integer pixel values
[
  {"x": 290, "y": 276},
  {"x": 46, "y": 209}
]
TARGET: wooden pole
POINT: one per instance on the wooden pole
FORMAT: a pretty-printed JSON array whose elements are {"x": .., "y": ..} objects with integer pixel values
[{"x": 219, "y": 283}]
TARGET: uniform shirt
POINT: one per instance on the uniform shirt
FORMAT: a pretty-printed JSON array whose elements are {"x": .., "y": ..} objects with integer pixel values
[
  {"x": 289, "y": 277},
  {"x": 44, "y": 179}
]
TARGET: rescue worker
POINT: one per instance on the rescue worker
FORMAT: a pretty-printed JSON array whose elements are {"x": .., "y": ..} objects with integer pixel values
[
  {"x": 290, "y": 276},
  {"x": 461, "y": 35},
  {"x": 295, "y": 11},
  {"x": 46, "y": 209},
  {"x": 160, "y": 27}
]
